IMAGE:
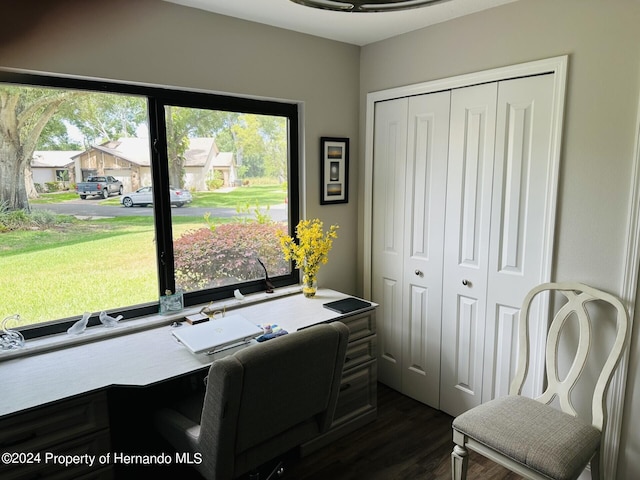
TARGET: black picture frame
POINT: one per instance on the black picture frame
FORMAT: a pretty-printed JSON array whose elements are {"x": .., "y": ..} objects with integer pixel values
[{"x": 334, "y": 170}]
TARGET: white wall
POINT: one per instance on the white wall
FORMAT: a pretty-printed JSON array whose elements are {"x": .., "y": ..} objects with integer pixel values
[
  {"x": 156, "y": 42},
  {"x": 602, "y": 40},
  {"x": 43, "y": 175}
]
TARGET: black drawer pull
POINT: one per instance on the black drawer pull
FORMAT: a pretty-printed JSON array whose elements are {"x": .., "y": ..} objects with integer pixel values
[{"x": 345, "y": 386}]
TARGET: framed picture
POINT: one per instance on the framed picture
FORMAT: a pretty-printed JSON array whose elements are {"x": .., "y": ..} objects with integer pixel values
[{"x": 334, "y": 170}]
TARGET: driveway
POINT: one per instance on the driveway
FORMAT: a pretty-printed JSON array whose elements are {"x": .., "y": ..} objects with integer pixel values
[{"x": 91, "y": 208}]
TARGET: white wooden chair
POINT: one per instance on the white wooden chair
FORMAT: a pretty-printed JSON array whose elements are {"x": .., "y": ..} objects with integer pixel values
[{"x": 529, "y": 436}]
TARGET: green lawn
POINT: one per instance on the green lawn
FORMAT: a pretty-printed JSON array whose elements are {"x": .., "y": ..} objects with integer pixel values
[
  {"x": 252, "y": 196},
  {"x": 87, "y": 266},
  {"x": 78, "y": 266},
  {"x": 262, "y": 195}
]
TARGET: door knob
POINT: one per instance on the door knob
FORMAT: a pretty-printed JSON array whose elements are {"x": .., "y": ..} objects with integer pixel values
[
  {"x": 466, "y": 282},
  {"x": 418, "y": 273}
]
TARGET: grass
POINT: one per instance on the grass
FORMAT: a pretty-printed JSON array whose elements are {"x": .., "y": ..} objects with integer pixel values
[
  {"x": 261, "y": 195},
  {"x": 88, "y": 266},
  {"x": 252, "y": 196},
  {"x": 55, "y": 197},
  {"x": 62, "y": 269}
]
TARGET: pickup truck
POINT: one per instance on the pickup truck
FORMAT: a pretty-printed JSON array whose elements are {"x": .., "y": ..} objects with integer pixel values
[{"x": 103, "y": 186}]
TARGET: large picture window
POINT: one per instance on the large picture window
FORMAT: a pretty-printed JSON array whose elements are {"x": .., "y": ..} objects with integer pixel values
[{"x": 162, "y": 191}]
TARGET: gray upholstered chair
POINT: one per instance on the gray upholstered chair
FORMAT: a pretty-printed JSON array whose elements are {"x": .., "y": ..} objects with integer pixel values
[
  {"x": 260, "y": 402},
  {"x": 529, "y": 436}
]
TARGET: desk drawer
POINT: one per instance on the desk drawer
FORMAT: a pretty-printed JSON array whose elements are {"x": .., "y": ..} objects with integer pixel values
[
  {"x": 360, "y": 325},
  {"x": 357, "y": 393},
  {"x": 37, "y": 429},
  {"x": 360, "y": 351}
]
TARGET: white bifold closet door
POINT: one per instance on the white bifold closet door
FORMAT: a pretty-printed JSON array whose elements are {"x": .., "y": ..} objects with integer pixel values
[
  {"x": 459, "y": 203},
  {"x": 410, "y": 168}
]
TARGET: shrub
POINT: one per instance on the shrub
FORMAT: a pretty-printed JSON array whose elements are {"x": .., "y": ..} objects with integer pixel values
[
  {"x": 207, "y": 258},
  {"x": 47, "y": 218},
  {"x": 52, "y": 186},
  {"x": 21, "y": 220},
  {"x": 13, "y": 220},
  {"x": 217, "y": 181},
  {"x": 260, "y": 216}
]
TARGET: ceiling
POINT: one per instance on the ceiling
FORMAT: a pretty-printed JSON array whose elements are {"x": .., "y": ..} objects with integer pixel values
[{"x": 355, "y": 28}]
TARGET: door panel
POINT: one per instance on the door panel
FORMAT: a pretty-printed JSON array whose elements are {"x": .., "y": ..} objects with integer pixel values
[
  {"x": 502, "y": 324},
  {"x": 390, "y": 147},
  {"x": 466, "y": 380},
  {"x": 466, "y": 248},
  {"x": 519, "y": 219},
  {"x": 428, "y": 131}
]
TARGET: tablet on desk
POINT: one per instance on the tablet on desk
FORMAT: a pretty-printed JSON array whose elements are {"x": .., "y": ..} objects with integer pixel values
[
  {"x": 347, "y": 305},
  {"x": 217, "y": 334}
]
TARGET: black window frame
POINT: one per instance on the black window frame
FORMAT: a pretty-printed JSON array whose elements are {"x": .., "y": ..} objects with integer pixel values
[{"x": 157, "y": 98}]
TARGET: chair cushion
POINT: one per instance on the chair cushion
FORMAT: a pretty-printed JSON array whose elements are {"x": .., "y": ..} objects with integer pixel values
[{"x": 539, "y": 436}]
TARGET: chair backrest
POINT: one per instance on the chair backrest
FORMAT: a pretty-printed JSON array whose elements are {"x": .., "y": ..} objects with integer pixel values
[
  {"x": 270, "y": 397},
  {"x": 577, "y": 296}
]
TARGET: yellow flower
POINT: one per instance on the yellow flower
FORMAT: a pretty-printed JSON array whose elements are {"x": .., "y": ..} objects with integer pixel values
[{"x": 312, "y": 248}]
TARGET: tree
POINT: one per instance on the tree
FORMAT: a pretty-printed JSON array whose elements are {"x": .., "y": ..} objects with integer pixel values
[
  {"x": 101, "y": 117},
  {"x": 24, "y": 113},
  {"x": 32, "y": 118},
  {"x": 262, "y": 143},
  {"x": 184, "y": 123},
  {"x": 177, "y": 120},
  {"x": 55, "y": 136}
]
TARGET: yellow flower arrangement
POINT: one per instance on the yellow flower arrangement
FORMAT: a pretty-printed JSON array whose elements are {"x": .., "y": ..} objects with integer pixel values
[{"x": 310, "y": 252}]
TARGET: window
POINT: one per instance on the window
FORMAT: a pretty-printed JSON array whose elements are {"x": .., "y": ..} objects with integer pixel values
[
  {"x": 168, "y": 191},
  {"x": 62, "y": 175}
]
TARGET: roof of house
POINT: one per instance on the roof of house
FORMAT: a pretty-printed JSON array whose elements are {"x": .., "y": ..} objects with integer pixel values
[
  {"x": 223, "y": 159},
  {"x": 52, "y": 158},
  {"x": 136, "y": 150}
]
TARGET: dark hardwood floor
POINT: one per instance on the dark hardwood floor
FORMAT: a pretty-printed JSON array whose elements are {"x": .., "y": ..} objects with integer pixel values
[{"x": 407, "y": 441}]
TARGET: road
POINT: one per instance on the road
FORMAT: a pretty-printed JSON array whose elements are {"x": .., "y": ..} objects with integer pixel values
[{"x": 91, "y": 208}]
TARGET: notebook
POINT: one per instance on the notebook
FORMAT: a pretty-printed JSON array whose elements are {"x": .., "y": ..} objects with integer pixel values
[
  {"x": 347, "y": 305},
  {"x": 217, "y": 334}
]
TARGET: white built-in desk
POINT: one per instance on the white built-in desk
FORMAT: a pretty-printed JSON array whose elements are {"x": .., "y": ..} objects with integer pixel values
[
  {"x": 138, "y": 359},
  {"x": 55, "y": 390}
]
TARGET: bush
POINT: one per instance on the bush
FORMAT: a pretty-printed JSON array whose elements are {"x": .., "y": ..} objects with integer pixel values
[
  {"x": 21, "y": 220},
  {"x": 47, "y": 218},
  {"x": 52, "y": 186},
  {"x": 217, "y": 181},
  {"x": 228, "y": 254}
]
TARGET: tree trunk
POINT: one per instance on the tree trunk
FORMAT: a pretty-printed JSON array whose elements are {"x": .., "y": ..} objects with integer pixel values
[
  {"x": 17, "y": 142},
  {"x": 13, "y": 191},
  {"x": 176, "y": 172},
  {"x": 29, "y": 184}
]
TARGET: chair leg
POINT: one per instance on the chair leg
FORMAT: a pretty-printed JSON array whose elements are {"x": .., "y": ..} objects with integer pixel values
[
  {"x": 595, "y": 465},
  {"x": 459, "y": 463},
  {"x": 277, "y": 472}
]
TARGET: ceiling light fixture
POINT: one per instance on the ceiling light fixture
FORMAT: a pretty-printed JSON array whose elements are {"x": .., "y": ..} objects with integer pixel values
[{"x": 367, "y": 5}]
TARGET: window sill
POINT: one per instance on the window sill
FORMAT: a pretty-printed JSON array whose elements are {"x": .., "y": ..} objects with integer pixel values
[{"x": 99, "y": 332}]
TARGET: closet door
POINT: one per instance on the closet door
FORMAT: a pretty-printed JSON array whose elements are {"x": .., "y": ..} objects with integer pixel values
[
  {"x": 498, "y": 234},
  {"x": 466, "y": 248},
  {"x": 425, "y": 196},
  {"x": 521, "y": 230},
  {"x": 387, "y": 243}
]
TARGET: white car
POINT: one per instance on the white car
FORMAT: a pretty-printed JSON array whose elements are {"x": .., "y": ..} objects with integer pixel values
[{"x": 144, "y": 196}]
